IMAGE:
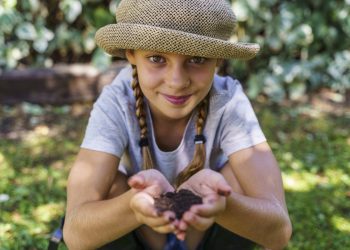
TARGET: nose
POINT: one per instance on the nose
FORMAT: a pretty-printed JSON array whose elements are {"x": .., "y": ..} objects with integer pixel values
[{"x": 177, "y": 77}]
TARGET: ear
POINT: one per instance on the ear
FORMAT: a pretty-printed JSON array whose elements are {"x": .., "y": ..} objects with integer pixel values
[
  {"x": 219, "y": 62},
  {"x": 130, "y": 55}
]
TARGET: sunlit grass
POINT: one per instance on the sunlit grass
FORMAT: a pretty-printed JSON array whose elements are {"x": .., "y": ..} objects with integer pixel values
[
  {"x": 341, "y": 223},
  {"x": 299, "y": 182},
  {"x": 34, "y": 165},
  {"x": 312, "y": 151}
]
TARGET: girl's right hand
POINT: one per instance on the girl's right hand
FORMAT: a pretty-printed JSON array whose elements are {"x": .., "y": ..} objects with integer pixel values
[{"x": 150, "y": 184}]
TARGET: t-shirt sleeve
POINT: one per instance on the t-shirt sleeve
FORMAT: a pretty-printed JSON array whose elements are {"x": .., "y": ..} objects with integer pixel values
[
  {"x": 106, "y": 131},
  {"x": 241, "y": 128}
]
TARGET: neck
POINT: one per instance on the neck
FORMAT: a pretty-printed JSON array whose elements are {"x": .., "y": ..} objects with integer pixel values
[{"x": 169, "y": 132}]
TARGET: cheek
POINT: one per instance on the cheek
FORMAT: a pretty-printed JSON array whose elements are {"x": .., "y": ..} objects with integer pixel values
[
  {"x": 204, "y": 79},
  {"x": 148, "y": 78},
  {"x": 204, "y": 74}
]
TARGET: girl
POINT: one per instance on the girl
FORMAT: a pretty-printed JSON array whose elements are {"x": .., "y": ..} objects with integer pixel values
[{"x": 169, "y": 122}]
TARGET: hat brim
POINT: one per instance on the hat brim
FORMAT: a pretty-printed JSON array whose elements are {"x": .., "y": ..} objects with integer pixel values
[{"x": 115, "y": 38}]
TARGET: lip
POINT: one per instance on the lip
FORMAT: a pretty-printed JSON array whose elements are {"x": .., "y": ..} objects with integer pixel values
[{"x": 177, "y": 100}]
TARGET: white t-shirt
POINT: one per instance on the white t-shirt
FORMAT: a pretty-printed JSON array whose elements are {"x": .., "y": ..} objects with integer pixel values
[{"x": 113, "y": 128}]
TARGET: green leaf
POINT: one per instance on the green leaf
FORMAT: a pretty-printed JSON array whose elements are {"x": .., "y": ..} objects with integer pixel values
[
  {"x": 40, "y": 45},
  {"x": 71, "y": 9},
  {"x": 101, "y": 17},
  {"x": 101, "y": 60},
  {"x": 9, "y": 4},
  {"x": 8, "y": 20},
  {"x": 26, "y": 31}
]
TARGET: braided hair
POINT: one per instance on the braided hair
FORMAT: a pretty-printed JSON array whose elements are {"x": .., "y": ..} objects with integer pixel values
[{"x": 141, "y": 117}]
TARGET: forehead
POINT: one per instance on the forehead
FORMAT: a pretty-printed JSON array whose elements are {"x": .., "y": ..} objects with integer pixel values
[{"x": 165, "y": 54}]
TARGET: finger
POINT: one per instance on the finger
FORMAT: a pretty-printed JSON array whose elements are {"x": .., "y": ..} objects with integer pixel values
[
  {"x": 167, "y": 228},
  {"x": 144, "y": 178},
  {"x": 211, "y": 206},
  {"x": 143, "y": 203},
  {"x": 182, "y": 225},
  {"x": 198, "y": 222},
  {"x": 207, "y": 210},
  {"x": 165, "y": 223},
  {"x": 213, "y": 199},
  {"x": 180, "y": 235},
  {"x": 154, "y": 190},
  {"x": 223, "y": 189},
  {"x": 137, "y": 181},
  {"x": 160, "y": 221}
]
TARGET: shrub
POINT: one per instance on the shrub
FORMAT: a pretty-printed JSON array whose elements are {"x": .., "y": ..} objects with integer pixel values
[
  {"x": 305, "y": 44},
  {"x": 41, "y": 33}
]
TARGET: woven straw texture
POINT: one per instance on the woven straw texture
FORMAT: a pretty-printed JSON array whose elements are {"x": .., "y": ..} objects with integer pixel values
[{"x": 188, "y": 27}]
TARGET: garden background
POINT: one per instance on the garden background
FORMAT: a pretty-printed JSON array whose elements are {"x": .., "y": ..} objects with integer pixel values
[{"x": 299, "y": 86}]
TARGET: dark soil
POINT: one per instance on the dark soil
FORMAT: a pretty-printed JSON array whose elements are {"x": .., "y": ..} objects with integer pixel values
[{"x": 179, "y": 202}]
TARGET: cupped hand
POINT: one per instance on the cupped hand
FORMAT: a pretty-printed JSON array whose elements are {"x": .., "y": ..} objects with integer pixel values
[
  {"x": 150, "y": 184},
  {"x": 213, "y": 189}
]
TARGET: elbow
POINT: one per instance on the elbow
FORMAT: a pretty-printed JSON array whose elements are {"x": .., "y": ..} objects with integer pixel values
[
  {"x": 67, "y": 237},
  {"x": 281, "y": 236},
  {"x": 70, "y": 238},
  {"x": 285, "y": 234}
]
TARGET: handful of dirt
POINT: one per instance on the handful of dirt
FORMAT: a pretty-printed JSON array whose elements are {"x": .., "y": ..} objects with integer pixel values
[{"x": 178, "y": 202}]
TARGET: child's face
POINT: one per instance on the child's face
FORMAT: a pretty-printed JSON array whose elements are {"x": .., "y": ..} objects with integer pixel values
[{"x": 173, "y": 84}]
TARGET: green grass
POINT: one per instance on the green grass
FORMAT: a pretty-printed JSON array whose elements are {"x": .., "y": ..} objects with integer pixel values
[
  {"x": 38, "y": 146},
  {"x": 313, "y": 150}
]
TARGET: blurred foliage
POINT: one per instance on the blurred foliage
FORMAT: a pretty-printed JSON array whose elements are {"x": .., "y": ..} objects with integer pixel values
[
  {"x": 311, "y": 146},
  {"x": 41, "y": 33},
  {"x": 305, "y": 44}
]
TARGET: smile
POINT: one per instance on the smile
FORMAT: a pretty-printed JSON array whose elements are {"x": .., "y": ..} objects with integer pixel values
[{"x": 177, "y": 100}]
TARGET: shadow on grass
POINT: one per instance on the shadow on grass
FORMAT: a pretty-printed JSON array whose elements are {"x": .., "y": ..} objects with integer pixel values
[
  {"x": 37, "y": 150},
  {"x": 313, "y": 151},
  {"x": 35, "y": 157},
  {"x": 318, "y": 218}
]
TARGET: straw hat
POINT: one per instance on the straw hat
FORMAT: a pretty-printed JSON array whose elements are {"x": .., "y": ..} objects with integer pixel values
[{"x": 188, "y": 27}]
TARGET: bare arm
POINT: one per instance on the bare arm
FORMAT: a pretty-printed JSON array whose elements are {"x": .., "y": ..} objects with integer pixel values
[
  {"x": 260, "y": 213},
  {"x": 102, "y": 208},
  {"x": 91, "y": 219}
]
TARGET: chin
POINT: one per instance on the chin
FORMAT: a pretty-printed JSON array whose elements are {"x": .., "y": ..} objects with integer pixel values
[{"x": 177, "y": 115}]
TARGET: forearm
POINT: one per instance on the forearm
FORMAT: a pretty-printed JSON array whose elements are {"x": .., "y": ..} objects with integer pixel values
[
  {"x": 259, "y": 220},
  {"x": 94, "y": 224}
]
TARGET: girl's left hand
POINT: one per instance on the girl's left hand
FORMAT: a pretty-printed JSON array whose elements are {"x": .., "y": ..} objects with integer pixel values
[{"x": 213, "y": 189}]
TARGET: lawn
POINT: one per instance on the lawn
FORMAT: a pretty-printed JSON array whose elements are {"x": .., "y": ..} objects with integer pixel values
[{"x": 38, "y": 145}]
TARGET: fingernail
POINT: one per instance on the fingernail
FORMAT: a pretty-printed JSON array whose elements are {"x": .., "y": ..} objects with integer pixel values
[{"x": 223, "y": 193}]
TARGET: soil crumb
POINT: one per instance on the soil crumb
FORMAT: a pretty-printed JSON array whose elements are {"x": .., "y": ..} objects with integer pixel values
[{"x": 179, "y": 202}]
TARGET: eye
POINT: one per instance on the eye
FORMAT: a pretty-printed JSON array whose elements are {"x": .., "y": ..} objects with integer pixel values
[
  {"x": 197, "y": 60},
  {"x": 156, "y": 59}
]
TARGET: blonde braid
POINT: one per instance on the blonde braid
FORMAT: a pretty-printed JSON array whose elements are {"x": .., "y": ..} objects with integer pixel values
[
  {"x": 141, "y": 116},
  {"x": 199, "y": 156}
]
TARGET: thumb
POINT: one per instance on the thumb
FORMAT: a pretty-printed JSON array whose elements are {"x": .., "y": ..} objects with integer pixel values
[
  {"x": 223, "y": 189},
  {"x": 143, "y": 179},
  {"x": 137, "y": 181}
]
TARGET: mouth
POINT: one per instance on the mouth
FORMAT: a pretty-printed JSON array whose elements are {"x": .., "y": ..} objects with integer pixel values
[{"x": 177, "y": 100}]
